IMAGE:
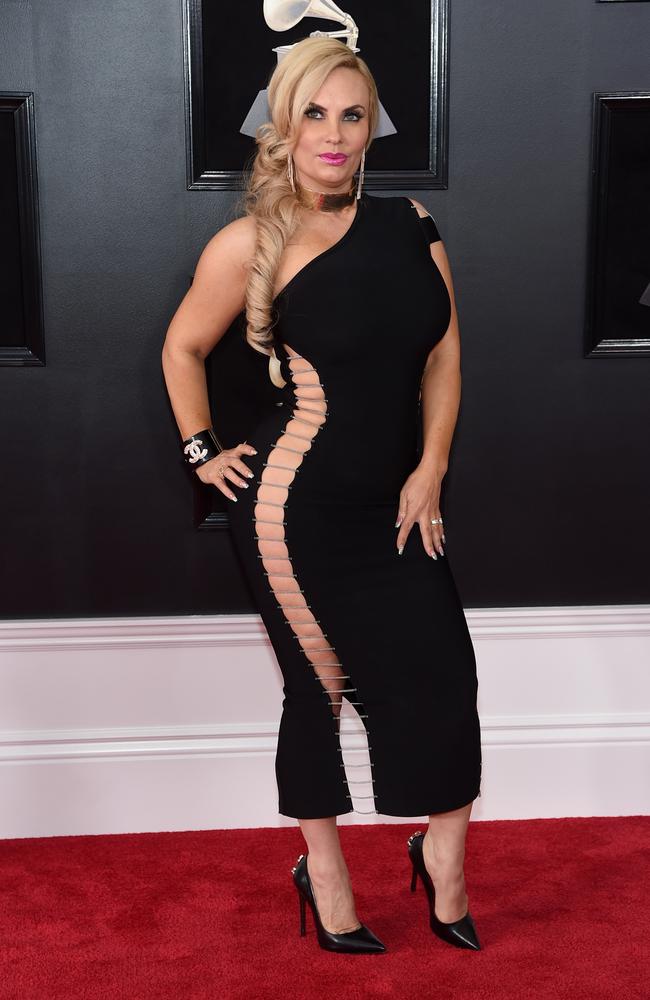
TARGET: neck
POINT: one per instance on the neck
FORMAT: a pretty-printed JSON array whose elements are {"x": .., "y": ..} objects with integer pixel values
[{"x": 323, "y": 201}]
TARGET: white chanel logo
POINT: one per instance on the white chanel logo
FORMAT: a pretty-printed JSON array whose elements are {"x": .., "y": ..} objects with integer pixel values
[{"x": 193, "y": 449}]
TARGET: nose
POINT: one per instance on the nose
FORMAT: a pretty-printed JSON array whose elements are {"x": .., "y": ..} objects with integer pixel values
[{"x": 334, "y": 131}]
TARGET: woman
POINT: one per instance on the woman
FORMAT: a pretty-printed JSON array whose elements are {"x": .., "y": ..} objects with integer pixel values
[{"x": 351, "y": 297}]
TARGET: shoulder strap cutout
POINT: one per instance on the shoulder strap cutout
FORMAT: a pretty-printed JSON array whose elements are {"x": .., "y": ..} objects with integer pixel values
[
  {"x": 428, "y": 226},
  {"x": 430, "y": 229}
]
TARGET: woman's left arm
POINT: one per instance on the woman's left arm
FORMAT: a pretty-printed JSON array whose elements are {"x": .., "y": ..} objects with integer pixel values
[
  {"x": 441, "y": 381},
  {"x": 440, "y": 390}
]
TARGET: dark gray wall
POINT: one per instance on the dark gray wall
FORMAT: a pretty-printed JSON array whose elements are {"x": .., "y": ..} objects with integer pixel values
[{"x": 546, "y": 499}]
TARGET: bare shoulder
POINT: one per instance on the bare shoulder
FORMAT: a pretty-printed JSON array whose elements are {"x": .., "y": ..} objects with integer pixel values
[
  {"x": 217, "y": 293},
  {"x": 231, "y": 248}
]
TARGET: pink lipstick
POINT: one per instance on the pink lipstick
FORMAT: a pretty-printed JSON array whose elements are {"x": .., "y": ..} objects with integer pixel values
[{"x": 333, "y": 158}]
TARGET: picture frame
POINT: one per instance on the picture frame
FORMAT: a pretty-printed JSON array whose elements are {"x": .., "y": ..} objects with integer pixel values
[
  {"x": 22, "y": 337},
  {"x": 227, "y": 64},
  {"x": 618, "y": 280}
]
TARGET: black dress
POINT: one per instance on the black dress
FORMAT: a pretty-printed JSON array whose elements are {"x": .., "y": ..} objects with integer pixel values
[{"x": 347, "y": 616}]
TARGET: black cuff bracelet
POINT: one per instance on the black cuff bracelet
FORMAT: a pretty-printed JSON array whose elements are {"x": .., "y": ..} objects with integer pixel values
[{"x": 200, "y": 448}]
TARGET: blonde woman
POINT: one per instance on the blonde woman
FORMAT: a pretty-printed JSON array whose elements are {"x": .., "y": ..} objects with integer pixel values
[{"x": 335, "y": 498}]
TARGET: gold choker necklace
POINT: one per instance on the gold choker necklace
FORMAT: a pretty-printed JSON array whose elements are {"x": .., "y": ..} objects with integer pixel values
[{"x": 324, "y": 202}]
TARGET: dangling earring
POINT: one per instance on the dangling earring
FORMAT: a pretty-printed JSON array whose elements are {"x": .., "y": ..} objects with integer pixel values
[
  {"x": 361, "y": 168},
  {"x": 290, "y": 172}
]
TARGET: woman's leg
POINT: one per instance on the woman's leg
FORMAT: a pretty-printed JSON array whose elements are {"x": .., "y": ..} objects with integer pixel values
[
  {"x": 444, "y": 854},
  {"x": 329, "y": 875}
]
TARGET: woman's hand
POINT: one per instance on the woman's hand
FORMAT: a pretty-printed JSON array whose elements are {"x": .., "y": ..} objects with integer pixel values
[
  {"x": 419, "y": 501},
  {"x": 227, "y": 464}
]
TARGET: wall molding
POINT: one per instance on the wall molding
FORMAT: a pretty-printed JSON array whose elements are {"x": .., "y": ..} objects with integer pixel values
[
  {"x": 260, "y": 738},
  {"x": 200, "y": 630},
  {"x": 141, "y": 724}
]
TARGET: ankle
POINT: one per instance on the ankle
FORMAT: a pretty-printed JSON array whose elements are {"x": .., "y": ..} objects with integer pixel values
[
  {"x": 448, "y": 863},
  {"x": 326, "y": 868}
]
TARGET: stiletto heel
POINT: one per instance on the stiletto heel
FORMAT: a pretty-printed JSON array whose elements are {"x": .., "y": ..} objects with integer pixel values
[
  {"x": 462, "y": 932},
  {"x": 357, "y": 941},
  {"x": 303, "y": 914}
]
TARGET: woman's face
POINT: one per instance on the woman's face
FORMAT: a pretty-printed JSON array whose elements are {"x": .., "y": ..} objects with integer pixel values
[{"x": 334, "y": 123}]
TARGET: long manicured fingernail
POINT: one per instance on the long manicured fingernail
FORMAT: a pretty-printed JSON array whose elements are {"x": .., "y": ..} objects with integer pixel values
[
  {"x": 400, "y": 550},
  {"x": 442, "y": 551},
  {"x": 397, "y": 523},
  {"x": 444, "y": 539},
  {"x": 234, "y": 498},
  {"x": 433, "y": 555}
]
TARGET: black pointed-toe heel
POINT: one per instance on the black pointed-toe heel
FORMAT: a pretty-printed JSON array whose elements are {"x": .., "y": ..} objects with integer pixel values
[
  {"x": 358, "y": 941},
  {"x": 462, "y": 932}
]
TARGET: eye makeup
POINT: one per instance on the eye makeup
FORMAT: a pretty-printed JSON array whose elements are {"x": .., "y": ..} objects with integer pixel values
[{"x": 356, "y": 109}]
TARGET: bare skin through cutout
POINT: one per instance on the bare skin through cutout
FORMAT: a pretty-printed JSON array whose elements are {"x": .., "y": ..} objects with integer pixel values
[{"x": 277, "y": 476}]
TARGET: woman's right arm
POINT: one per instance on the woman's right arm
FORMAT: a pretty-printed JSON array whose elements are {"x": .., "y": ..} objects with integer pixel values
[{"x": 215, "y": 298}]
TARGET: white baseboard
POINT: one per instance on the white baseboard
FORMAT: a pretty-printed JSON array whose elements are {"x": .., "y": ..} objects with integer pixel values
[{"x": 147, "y": 724}]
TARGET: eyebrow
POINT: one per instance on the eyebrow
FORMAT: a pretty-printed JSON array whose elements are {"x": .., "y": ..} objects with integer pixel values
[{"x": 319, "y": 107}]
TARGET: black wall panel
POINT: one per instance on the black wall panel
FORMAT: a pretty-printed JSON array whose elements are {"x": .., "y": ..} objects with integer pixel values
[{"x": 546, "y": 499}]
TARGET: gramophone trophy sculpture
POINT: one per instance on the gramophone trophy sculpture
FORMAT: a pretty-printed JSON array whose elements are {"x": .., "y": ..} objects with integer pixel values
[{"x": 280, "y": 15}]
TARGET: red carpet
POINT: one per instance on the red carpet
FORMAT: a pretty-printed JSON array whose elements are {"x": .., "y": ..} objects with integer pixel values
[{"x": 560, "y": 905}]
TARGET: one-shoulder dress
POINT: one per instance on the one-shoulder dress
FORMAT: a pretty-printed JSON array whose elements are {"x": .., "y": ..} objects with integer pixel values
[{"x": 359, "y": 631}]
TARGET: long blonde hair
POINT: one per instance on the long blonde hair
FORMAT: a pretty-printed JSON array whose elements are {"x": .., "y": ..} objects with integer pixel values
[{"x": 268, "y": 195}]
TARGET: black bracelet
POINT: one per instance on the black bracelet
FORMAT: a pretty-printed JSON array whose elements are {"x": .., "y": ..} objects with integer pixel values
[{"x": 200, "y": 448}]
